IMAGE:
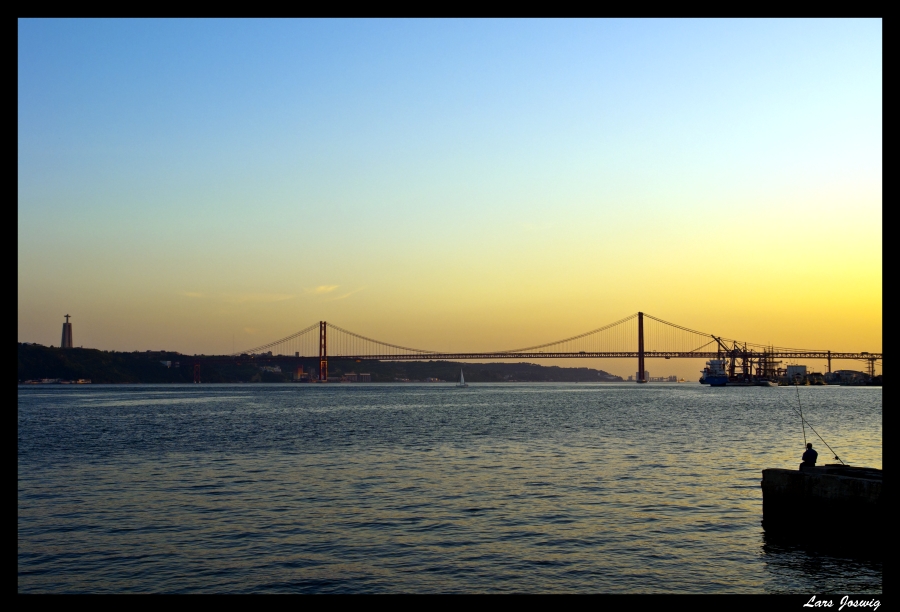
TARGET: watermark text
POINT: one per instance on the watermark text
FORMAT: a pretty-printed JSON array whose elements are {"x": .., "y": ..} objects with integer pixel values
[{"x": 846, "y": 602}]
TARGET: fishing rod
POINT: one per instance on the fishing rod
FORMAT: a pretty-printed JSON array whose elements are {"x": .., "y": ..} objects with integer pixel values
[{"x": 804, "y": 421}]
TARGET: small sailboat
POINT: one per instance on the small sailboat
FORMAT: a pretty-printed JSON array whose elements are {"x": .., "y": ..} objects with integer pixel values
[{"x": 462, "y": 380}]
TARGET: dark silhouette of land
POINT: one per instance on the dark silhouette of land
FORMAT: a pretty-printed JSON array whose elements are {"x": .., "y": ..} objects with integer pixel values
[{"x": 38, "y": 362}]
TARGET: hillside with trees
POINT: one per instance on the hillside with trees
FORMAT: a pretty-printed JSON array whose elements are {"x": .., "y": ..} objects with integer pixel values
[{"x": 38, "y": 362}]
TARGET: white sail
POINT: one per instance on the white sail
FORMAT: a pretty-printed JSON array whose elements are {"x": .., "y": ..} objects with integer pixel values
[{"x": 462, "y": 380}]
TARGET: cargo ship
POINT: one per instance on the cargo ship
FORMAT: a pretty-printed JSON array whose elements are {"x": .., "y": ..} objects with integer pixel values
[{"x": 714, "y": 373}]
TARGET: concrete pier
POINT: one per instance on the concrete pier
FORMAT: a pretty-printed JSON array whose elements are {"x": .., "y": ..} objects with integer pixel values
[{"x": 829, "y": 504}]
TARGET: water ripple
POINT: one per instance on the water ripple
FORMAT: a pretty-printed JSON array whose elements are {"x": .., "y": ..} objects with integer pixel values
[{"x": 420, "y": 488}]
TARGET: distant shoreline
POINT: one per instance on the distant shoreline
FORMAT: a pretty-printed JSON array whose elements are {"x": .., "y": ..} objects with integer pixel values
[{"x": 41, "y": 363}]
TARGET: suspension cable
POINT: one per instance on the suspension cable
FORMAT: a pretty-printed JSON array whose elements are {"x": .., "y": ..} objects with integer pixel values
[
  {"x": 578, "y": 337},
  {"x": 276, "y": 342},
  {"x": 404, "y": 348}
]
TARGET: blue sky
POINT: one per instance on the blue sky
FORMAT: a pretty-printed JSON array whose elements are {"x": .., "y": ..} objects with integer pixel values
[{"x": 505, "y": 165}]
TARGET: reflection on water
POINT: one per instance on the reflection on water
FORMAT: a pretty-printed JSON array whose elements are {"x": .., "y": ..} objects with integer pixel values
[
  {"x": 423, "y": 488},
  {"x": 791, "y": 566}
]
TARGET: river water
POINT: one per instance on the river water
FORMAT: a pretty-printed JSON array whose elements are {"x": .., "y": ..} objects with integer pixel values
[{"x": 603, "y": 488}]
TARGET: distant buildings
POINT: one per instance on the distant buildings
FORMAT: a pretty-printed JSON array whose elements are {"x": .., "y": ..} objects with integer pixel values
[
  {"x": 57, "y": 381},
  {"x": 656, "y": 379},
  {"x": 846, "y": 377},
  {"x": 354, "y": 377},
  {"x": 796, "y": 372}
]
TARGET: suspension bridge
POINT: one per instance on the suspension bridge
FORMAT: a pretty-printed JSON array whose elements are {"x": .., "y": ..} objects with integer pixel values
[{"x": 639, "y": 336}]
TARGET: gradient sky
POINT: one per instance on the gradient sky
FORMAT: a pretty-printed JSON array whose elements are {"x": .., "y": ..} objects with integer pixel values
[{"x": 195, "y": 185}]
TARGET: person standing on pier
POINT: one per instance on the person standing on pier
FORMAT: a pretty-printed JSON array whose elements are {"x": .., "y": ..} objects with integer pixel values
[{"x": 809, "y": 456}]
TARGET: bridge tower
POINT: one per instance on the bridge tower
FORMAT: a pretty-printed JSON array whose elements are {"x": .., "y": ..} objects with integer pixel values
[
  {"x": 323, "y": 351},
  {"x": 641, "y": 377}
]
